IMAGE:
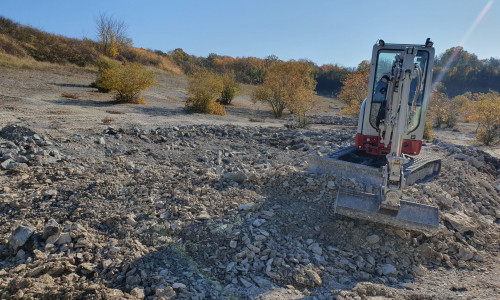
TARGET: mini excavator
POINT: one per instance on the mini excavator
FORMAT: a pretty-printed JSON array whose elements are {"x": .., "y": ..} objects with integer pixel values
[{"x": 386, "y": 156}]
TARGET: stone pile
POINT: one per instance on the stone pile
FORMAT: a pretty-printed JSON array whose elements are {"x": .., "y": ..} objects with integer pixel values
[{"x": 208, "y": 211}]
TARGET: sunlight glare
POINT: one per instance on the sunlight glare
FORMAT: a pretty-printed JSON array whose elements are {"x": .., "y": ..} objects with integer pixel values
[{"x": 462, "y": 42}]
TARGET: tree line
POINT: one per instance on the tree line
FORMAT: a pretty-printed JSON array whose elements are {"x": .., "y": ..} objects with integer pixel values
[
  {"x": 461, "y": 72},
  {"x": 458, "y": 70}
]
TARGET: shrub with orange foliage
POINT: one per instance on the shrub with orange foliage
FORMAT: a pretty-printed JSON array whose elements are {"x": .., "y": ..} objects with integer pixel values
[
  {"x": 127, "y": 81},
  {"x": 354, "y": 91},
  {"x": 447, "y": 111},
  {"x": 287, "y": 85},
  {"x": 438, "y": 107},
  {"x": 204, "y": 89},
  {"x": 486, "y": 113}
]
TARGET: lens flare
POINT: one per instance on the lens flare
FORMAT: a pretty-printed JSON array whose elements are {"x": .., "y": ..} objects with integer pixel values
[{"x": 462, "y": 42}]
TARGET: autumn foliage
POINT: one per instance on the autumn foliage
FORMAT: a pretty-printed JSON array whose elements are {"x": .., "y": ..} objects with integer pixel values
[
  {"x": 446, "y": 111},
  {"x": 230, "y": 89},
  {"x": 428, "y": 134},
  {"x": 486, "y": 113},
  {"x": 204, "y": 89},
  {"x": 438, "y": 108},
  {"x": 354, "y": 91},
  {"x": 288, "y": 85},
  {"x": 126, "y": 81}
]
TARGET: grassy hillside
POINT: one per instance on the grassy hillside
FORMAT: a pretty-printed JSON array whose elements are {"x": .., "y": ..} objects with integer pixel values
[
  {"x": 27, "y": 47},
  {"x": 20, "y": 45}
]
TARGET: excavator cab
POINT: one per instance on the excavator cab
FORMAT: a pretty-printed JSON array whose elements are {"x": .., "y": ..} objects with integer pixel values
[
  {"x": 374, "y": 107},
  {"x": 379, "y": 96}
]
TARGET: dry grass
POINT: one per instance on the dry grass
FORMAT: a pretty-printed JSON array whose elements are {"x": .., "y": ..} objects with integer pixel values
[
  {"x": 22, "y": 40},
  {"x": 115, "y": 112},
  {"x": 70, "y": 96},
  {"x": 28, "y": 63},
  {"x": 9, "y": 107},
  {"x": 25, "y": 47},
  {"x": 107, "y": 121},
  {"x": 57, "y": 112},
  {"x": 149, "y": 58},
  {"x": 174, "y": 99},
  {"x": 10, "y": 46},
  {"x": 11, "y": 61},
  {"x": 254, "y": 120}
]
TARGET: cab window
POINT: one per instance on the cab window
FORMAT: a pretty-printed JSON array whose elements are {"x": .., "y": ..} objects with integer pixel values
[{"x": 383, "y": 70}]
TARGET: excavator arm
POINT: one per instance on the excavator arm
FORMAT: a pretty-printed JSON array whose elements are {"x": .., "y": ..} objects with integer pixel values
[{"x": 399, "y": 111}]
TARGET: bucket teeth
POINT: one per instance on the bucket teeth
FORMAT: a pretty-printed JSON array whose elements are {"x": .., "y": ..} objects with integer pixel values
[{"x": 366, "y": 206}]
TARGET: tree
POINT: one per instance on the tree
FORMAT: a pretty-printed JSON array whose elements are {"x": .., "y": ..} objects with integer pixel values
[
  {"x": 364, "y": 66},
  {"x": 204, "y": 88},
  {"x": 271, "y": 59},
  {"x": 127, "y": 81},
  {"x": 286, "y": 86},
  {"x": 461, "y": 71},
  {"x": 354, "y": 90},
  {"x": 329, "y": 78},
  {"x": 487, "y": 114},
  {"x": 111, "y": 33}
]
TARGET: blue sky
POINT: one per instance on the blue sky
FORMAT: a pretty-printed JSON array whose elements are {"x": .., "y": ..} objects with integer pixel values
[{"x": 335, "y": 31}]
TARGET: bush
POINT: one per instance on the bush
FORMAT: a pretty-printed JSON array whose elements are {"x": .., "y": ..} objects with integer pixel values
[
  {"x": 486, "y": 113},
  {"x": 231, "y": 89},
  {"x": 11, "y": 47},
  {"x": 204, "y": 89},
  {"x": 447, "y": 111},
  {"x": 70, "y": 96},
  {"x": 301, "y": 108},
  {"x": 354, "y": 90},
  {"x": 103, "y": 64},
  {"x": 428, "y": 135},
  {"x": 287, "y": 85},
  {"x": 127, "y": 81}
]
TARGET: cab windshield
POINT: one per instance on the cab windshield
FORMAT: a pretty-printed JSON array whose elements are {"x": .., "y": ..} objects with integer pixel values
[{"x": 385, "y": 60}]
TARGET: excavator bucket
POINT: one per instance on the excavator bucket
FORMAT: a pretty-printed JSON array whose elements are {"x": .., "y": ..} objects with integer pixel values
[
  {"x": 365, "y": 170},
  {"x": 366, "y": 206}
]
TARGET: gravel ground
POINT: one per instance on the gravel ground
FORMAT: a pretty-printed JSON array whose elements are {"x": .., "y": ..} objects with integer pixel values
[{"x": 163, "y": 204}]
